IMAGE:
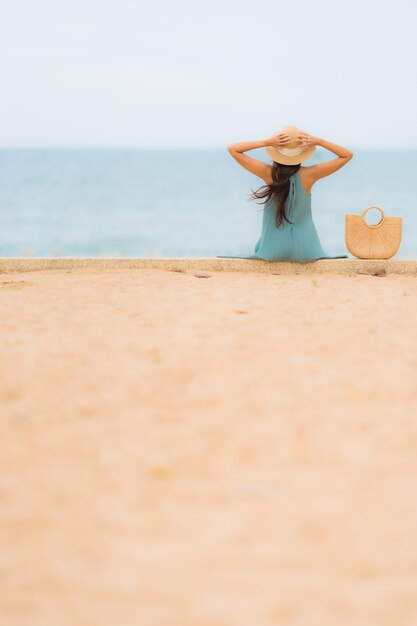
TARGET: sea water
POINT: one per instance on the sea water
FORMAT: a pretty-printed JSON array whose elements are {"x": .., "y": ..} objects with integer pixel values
[{"x": 180, "y": 203}]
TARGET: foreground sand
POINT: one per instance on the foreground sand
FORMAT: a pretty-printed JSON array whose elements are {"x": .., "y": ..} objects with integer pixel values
[{"x": 235, "y": 450}]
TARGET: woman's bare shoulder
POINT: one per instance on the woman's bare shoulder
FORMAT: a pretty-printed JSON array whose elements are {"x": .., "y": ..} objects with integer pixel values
[{"x": 307, "y": 178}]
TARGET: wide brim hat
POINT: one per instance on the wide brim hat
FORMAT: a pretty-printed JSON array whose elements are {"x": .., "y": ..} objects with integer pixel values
[{"x": 292, "y": 153}]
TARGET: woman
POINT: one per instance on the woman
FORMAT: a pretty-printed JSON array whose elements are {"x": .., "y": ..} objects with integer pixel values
[{"x": 288, "y": 231}]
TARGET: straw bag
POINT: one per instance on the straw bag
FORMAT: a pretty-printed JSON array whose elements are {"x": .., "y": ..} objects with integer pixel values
[{"x": 373, "y": 241}]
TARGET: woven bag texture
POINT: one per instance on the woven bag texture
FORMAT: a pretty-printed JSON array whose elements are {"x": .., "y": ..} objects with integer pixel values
[{"x": 373, "y": 241}]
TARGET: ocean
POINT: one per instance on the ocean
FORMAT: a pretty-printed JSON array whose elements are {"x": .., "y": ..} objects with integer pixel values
[{"x": 180, "y": 203}]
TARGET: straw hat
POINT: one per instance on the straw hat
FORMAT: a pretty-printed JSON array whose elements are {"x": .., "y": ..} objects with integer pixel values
[{"x": 291, "y": 153}]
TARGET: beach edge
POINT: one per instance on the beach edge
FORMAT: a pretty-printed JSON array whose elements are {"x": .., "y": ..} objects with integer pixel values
[{"x": 320, "y": 266}]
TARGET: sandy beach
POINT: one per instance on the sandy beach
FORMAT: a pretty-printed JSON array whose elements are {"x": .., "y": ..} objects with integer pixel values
[{"x": 207, "y": 449}]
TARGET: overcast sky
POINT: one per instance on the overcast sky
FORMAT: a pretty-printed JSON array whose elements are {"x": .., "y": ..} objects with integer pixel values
[{"x": 191, "y": 73}]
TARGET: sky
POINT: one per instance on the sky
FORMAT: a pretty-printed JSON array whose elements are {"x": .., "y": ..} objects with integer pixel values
[{"x": 203, "y": 74}]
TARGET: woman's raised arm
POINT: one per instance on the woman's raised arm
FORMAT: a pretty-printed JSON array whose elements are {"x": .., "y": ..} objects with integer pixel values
[
  {"x": 257, "y": 167},
  {"x": 320, "y": 170}
]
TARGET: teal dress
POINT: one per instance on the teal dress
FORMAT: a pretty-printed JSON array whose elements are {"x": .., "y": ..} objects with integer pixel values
[{"x": 290, "y": 242}]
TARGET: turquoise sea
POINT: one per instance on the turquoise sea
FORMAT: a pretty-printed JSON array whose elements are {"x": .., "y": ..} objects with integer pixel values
[{"x": 180, "y": 203}]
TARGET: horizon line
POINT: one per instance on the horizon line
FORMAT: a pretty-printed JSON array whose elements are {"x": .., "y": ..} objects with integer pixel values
[{"x": 177, "y": 148}]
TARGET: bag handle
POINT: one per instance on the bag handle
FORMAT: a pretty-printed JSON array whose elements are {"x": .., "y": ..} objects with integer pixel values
[{"x": 373, "y": 206}]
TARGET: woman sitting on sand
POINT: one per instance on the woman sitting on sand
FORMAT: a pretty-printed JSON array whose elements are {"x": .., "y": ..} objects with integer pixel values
[{"x": 288, "y": 231}]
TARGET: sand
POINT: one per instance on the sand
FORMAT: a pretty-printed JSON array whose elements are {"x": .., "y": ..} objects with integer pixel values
[{"x": 234, "y": 450}]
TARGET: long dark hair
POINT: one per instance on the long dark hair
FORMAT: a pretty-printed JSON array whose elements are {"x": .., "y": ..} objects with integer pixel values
[{"x": 278, "y": 189}]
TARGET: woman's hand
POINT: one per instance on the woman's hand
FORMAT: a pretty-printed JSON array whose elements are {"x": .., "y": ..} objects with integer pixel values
[
  {"x": 279, "y": 140},
  {"x": 305, "y": 140}
]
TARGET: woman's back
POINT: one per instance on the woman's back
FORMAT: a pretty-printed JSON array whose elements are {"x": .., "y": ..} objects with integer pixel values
[{"x": 298, "y": 241}]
